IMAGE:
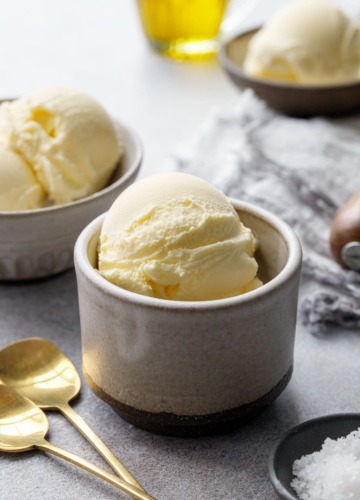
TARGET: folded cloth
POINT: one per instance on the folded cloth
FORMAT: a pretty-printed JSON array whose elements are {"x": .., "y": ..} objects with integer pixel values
[{"x": 303, "y": 170}]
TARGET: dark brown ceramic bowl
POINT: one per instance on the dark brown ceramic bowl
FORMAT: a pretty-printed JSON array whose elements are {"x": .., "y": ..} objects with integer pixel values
[{"x": 291, "y": 99}]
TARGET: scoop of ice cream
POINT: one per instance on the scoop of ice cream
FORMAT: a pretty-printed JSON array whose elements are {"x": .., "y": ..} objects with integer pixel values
[
  {"x": 19, "y": 189},
  {"x": 308, "y": 42},
  {"x": 66, "y": 137},
  {"x": 175, "y": 236}
]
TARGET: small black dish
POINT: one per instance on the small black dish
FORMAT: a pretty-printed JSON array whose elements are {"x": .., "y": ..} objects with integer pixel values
[
  {"x": 303, "y": 440},
  {"x": 289, "y": 98}
]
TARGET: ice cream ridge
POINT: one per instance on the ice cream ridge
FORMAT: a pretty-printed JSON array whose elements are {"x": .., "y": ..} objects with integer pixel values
[
  {"x": 308, "y": 42},
  {"x": 175, "y": 236},
  {"x": 19, "y": 189},
  {"x": 57, "y": 145}
]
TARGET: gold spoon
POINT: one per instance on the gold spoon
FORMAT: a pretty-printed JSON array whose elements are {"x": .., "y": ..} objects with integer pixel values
[
  {"x": 23, "y": 427},
  {"x": 38, "y": 370}
]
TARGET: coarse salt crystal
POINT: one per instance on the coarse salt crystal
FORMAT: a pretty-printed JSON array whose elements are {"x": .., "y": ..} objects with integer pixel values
[{"x": 333, "y": 473}]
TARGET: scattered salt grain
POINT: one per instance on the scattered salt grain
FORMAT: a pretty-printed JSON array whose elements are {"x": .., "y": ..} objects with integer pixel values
[{"x": 333, "y": 473}]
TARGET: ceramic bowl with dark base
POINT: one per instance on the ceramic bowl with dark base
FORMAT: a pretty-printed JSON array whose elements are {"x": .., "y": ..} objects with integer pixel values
[
  {"x": 40, "y": 243},
  {"x": 192, "y": 368},
  {"x": 292, "y": 99}
]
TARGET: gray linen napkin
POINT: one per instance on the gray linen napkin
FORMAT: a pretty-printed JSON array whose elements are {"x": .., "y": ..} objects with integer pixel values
[{"x": 303, "y": 170}]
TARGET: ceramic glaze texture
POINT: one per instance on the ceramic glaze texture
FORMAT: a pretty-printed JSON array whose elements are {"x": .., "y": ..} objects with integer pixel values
[
  {"x": 38, "y": 243},
  {"x": 192, "y": 358}
]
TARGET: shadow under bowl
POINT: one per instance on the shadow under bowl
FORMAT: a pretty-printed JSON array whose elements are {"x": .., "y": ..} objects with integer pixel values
[
  {"x": 305, "y": 439},
  {"x": 291, "y": 99},
  {"x": 40, "y": 243}
]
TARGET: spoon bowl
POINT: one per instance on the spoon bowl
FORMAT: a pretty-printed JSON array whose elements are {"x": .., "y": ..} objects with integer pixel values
[
  {"x": 23, "y": 427},
  {"x": 22, "y": 424},
  {"x": 39, "y": 371},
  {"x": 305, "y": 439}
]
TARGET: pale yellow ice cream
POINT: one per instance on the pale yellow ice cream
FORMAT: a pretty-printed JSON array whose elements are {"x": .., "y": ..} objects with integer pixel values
[
  {"x": 19, "y": 189},
  {"x": 307, "y": 42},
  {"x": 66, "y": 137},
  {"x": 175, "y": 236}
]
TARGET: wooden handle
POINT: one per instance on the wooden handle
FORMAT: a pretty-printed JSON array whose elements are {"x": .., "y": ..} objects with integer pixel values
[{"x": 345, "y": 227}]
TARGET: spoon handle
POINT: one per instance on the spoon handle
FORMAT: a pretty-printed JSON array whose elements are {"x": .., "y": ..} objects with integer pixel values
[
  {"x": 98, "y": 444},
  {"x": 94, "y": 469}
]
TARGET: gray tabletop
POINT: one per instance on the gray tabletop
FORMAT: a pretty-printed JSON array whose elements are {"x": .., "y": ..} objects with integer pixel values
[
  {"x": 231, "y": 466},
  {"x": 101, "y": 50}
]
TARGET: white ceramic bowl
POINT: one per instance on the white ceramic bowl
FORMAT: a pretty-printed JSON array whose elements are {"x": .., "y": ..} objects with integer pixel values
[
  {"x": 191, "y": 368},
  {"x": 39, "y": 243}
]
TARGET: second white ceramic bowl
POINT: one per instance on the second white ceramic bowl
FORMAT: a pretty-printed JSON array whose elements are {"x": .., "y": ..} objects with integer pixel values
[
  {"x": 191, "y": 368},
  {"x": 39, "y": 243}
]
